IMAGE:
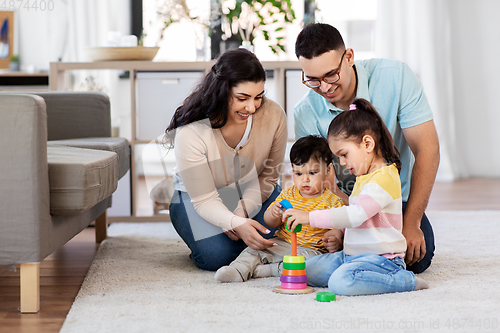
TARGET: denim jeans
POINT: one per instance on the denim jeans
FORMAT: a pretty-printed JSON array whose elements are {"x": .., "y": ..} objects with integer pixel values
[
  {"x": 426, "y": 228},
  {"x": 363, "y": 274},
  {"x": 210, "y": 247}
]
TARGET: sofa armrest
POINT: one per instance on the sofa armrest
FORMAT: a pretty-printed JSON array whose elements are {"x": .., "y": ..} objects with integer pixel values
[
  {"x": 72, "y": 115},
  {"x": 24, "y": 180}
]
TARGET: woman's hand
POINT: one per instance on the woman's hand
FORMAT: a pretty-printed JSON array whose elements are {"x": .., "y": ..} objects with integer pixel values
[
  {"x": 231, "y": 234},
  {"x": 294, "y": 217},
  {"x": 249, "y": 233},
  {"x": 333, "y": 240}
]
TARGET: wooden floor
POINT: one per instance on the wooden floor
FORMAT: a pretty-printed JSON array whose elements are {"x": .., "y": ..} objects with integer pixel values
[{"x": 62, "y": 273}]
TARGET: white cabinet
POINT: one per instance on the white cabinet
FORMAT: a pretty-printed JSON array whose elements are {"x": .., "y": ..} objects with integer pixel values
[{"x": 158, "y": 94}]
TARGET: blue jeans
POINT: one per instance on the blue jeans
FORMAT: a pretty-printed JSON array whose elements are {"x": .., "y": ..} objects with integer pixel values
[
  {"x": 363, "y": 274},
  {"x": 210, "y": 247},
  {"x": 426, "y": 228}
]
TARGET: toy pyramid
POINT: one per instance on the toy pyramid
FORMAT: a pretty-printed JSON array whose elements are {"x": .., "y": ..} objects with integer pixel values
[{"x": 293, "y": 278}]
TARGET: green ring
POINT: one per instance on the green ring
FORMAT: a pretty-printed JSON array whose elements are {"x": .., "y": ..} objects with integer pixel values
[
  {"x": 289, "y": 265},
  {"x": 325, "y": 297},
  {"x": 298, "y": 228}
]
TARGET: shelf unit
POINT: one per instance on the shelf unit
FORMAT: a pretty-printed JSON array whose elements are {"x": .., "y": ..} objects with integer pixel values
[{"x": 57, "y": 82}]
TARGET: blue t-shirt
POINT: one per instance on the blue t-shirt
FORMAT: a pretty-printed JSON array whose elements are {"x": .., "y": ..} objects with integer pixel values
[{"x": 397, "y": 95}]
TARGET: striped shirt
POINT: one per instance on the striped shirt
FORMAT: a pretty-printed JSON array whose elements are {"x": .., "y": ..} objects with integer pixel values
[
  {"x": 309, "y": 236},
  {"x": 373, "y": 219}
]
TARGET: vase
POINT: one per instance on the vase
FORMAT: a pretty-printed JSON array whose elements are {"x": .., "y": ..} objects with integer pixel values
[
  {"x": 14, "y": 66},
  {"x": 246, "y": 44}
]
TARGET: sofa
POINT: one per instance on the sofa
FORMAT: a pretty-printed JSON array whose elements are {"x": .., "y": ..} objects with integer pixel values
[{"x": 59, "y": 167}]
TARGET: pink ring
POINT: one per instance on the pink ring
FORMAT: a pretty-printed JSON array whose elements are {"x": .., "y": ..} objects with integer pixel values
[{"x": 286, "y": 285}]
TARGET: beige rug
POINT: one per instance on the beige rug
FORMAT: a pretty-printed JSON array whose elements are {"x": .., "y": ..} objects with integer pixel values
[{"x": 143, "y": 281}]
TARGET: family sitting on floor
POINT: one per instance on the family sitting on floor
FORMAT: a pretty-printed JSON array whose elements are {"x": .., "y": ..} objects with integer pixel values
[{"x": 364, "y": 163}]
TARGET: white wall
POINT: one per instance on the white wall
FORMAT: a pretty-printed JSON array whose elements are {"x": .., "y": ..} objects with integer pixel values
[
  {"x": 452, "y": 45},
  {"x": 32, "y": 39},
  {"x": 44, "y": 36}
]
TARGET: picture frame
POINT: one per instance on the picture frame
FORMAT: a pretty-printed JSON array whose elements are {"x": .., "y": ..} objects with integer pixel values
[{"x": 6, "y": 37}]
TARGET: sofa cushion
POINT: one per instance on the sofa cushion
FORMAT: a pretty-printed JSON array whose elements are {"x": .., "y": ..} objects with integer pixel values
[
  {"x": 119, "y": 146},
  {"x": 80, "y": 178}
]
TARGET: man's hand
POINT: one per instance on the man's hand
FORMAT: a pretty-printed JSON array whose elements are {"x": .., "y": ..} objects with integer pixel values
[
  {"x": 415, "y": 244},
  {"x": 333, "y": 240},
  {"x": 249, "y": 233}
]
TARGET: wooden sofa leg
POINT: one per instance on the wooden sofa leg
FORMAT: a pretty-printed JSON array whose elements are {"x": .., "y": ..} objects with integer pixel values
[
  {"x": 101, "y": 227},
  {"x": 30, "y": 287}
]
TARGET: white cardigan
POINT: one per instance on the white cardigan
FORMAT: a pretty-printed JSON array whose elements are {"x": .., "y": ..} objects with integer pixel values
[{"x": 205, "y": 163}]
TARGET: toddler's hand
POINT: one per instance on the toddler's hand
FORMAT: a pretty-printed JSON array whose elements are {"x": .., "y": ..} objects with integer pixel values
[{"x": 277, "y": 210}]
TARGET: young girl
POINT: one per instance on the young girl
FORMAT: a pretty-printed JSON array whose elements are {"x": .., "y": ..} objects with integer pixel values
[{"x": 372, "y": 261}]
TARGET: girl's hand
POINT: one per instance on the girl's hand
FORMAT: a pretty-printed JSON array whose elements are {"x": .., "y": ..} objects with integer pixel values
[
  {"x": 333, "y": 240},
  {"x": 293, "y": 217}
]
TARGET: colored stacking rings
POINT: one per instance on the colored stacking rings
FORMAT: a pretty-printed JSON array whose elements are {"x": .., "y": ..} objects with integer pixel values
[
  {"x": 294, "y": 262},
  {"x": 294, "y": 273}
]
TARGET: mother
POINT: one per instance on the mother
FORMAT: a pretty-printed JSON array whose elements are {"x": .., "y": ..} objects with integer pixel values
[{"x": 229, "y": 143}]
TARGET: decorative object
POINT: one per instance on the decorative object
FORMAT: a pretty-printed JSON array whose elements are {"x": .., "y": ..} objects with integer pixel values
[
  {"x": 172, "y": 11},
  {"x": 251, "y": 17},
  {"x": 6, "y": 37},
  {"x": 121, "y": 53},
  {"x": 293, "y": 278},
  {"x": 14, "y": 63}
]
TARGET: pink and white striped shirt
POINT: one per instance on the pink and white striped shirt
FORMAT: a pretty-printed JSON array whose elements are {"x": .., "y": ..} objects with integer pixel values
[{"x": 373, "y": 221}]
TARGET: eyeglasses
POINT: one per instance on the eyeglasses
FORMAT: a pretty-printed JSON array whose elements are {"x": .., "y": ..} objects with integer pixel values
[{"x": 329, "y": 78}]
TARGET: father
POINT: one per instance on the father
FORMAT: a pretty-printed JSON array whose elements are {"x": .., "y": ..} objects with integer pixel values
[{"x": 336, "y": 80}]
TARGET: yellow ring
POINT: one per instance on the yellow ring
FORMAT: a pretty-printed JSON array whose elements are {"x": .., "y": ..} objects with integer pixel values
[{"x": 293, "y": 259}]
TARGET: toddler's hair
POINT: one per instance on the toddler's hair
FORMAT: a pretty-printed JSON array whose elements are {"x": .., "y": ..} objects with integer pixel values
[
  {"x": 311, "y": 146},
  {"x": 363, "y": 120}
]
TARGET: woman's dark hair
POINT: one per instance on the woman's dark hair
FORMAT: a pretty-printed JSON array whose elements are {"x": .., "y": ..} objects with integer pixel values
[
  {"x": 211, "y": 97},
  {"x": 355, "y": 124},
  {"x": 316, "y": 39},
  {"x": 311, "y": 146}
]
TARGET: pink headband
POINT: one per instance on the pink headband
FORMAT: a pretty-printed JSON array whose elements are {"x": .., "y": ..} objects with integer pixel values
[{"x": 352, "y": 107}]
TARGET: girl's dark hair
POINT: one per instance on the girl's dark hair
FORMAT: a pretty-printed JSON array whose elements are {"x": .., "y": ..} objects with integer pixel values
[
  {"x": 355, "y": 124},
  {"x": 311, "y": 146},
  {"x": 316, "y": 39},
  {"x": 210, "y": 99}
]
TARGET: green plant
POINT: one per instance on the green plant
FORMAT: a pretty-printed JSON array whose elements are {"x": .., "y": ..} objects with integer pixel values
[
  {"x": 248, "y": 17},
  {"x": 14, "y": 58}
]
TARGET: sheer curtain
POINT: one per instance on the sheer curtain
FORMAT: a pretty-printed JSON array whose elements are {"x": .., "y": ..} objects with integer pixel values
[
  {"x": 417, "y": 32},
  {"x": 451, "y": 45},
  {"x": 75, "y": 25}
]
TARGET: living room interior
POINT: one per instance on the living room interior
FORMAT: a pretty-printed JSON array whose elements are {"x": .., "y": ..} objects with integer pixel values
[{"x": 140, "y": 58}]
